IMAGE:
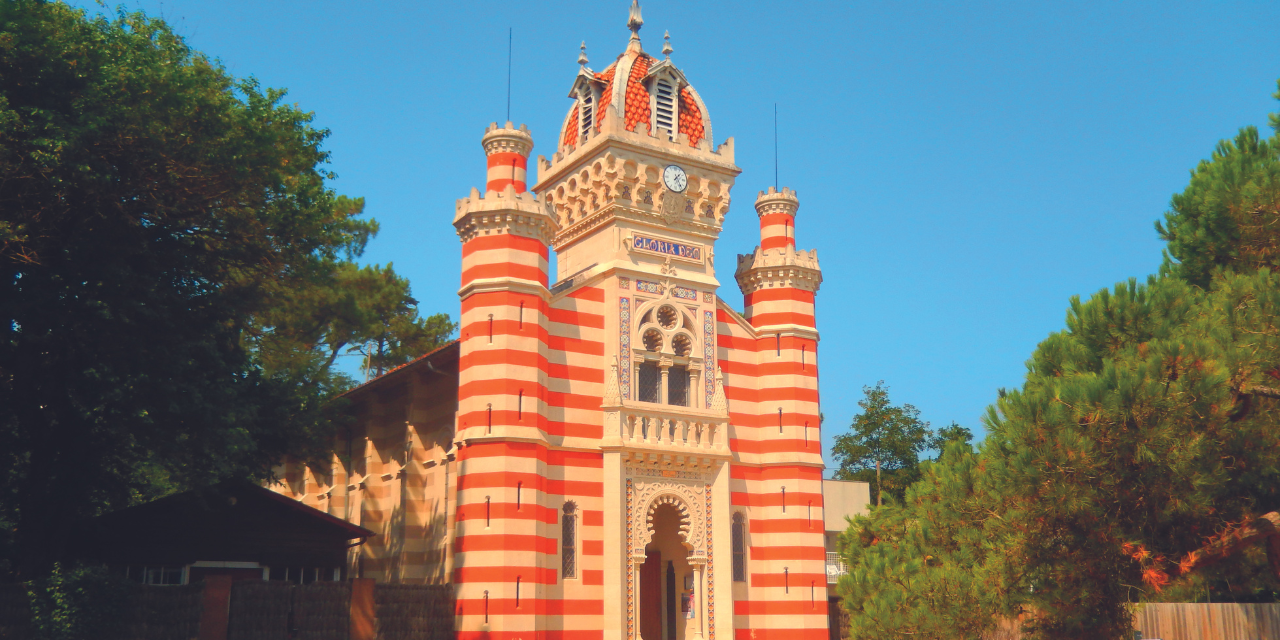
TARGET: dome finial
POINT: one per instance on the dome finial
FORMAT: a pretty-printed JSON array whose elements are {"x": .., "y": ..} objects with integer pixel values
[
  {"x": 582, "y": 57},
  {"x": 634, "y": 21},
  {"x": 666, "y": 44}
]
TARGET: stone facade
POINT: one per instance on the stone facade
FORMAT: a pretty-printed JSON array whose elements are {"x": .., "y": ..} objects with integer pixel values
[{"x": 576, "y": 432}]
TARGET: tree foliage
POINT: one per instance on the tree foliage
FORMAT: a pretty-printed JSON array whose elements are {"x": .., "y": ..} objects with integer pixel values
[
  {"x": 894, "y": 437},
  {"x": 175, "y": 275},
  {"x": 1137, "y": 460}
]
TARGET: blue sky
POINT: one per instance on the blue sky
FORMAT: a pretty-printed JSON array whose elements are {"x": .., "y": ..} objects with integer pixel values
[{"x": 963, "y": 168}]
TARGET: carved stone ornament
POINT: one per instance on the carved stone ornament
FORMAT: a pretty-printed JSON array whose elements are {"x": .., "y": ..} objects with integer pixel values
[
  {"x": 672, "y": 206},
  {"x": 688, "y": 501}
]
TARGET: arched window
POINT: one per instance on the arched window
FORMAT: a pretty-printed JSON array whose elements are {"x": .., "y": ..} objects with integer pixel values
[
  {"x": 739, "y": 548},
  {"x": 664, "y": 115},
  {"x": 568, "y": 541},
  {"x": 586, "y": 115}
]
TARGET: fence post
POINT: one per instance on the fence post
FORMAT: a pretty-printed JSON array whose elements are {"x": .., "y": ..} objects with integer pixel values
[
  {"x": 363, "y": 620},
  {"x": 217, "y": 608}
]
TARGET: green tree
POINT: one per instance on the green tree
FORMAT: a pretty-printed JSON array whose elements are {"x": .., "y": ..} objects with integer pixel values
[
  {"x": 936, "y": 565},
  {"x": 1139, "y": 460},
  {"x": 344, "y": 309},
  {"x": 883, "y": 445},
  {"x": 165, "y": 237}
]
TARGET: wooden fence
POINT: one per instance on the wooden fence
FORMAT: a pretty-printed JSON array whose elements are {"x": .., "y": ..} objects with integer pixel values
[
  {"x": 219, "y": 609},
  {"x": 1187, "y": 621},
  {"x": 1208, "y": 621}
]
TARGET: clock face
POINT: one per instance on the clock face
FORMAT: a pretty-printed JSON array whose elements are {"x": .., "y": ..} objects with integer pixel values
[{"x": 674, "y": 178}]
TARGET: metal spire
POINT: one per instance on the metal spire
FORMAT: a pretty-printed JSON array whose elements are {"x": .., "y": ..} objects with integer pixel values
[
  {"x": 582, "y": 57},
  {"x": 666, "y": 44}
]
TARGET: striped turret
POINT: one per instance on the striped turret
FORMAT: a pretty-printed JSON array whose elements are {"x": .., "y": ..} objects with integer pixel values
[
  {"x": 507, "y": 150},
  {"x": 777, "y": 213},
  {"x": 501, "y": 539},
  {"x": 787, "y": 596}
]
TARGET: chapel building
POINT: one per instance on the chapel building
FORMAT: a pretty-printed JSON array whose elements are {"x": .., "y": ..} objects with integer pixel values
[{"x": 615, "y": 453}]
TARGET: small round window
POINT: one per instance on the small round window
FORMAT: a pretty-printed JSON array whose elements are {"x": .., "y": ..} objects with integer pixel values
[
  {"x": 667, "y": 317},
  {"x": 652, "y": 340},
  {"x": 681, "y": 344}
]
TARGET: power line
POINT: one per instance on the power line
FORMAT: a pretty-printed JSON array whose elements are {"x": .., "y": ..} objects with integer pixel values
[{"x": 775, "y": 146}]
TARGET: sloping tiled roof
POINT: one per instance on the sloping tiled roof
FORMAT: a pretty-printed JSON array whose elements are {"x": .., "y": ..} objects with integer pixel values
[
  {"x": 690, "y": 118},
  {"x": 637, "y": 100},
  {"x": 439, "y": 356}
]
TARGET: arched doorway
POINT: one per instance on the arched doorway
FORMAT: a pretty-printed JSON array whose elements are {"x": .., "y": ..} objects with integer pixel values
[{"x": 667, "y": 579}]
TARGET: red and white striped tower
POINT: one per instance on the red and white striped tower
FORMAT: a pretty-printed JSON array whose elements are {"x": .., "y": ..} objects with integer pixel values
[
  {"x": 777, "y": 213},
  {"x": 787, "y": 586},
  {"x": 500, "y": 541}
]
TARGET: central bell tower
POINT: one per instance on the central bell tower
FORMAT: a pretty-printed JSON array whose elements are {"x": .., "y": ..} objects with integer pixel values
[{"x": 639, "y": 195}]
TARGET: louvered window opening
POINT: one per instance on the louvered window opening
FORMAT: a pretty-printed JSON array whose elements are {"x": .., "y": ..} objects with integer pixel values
[
  {"x": 739, "y": 549},
  {"x": 588, "y": 114},
  {"x": 665, "y": 114},
  {"x": 568, "y": 542},
  {"x": 650, "y": 377},
  {"x": 678, "y": 386}
]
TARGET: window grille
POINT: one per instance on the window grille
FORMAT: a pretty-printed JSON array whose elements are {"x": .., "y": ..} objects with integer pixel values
[
  {"x": 665, "y": 113},
  {"x": 568, "y": 542},
  {"x": 649, "y": 379},
  {"x": 739, "y": 549},
  {"x": 678, "y": 386}
]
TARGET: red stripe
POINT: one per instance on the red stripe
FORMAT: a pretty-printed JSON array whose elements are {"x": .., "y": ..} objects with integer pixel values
[
  {"x": 527, "y": 575},
  {"x": 788, "y": 294},
  {"x": 506, "y": 159},
  {"x": 501, "y": 185},
  {"x": 799, "y": 607},
  {"x": 505, "y": 270},
  {"x": 782, "y": 634},
  {"x": 786, "y": 317},
  {"x": 505, "y": 241},
  {"x": 816, "y": 552},
  {"x": 505, "y": 542},
  {"x": 744, "y": 472},
  {"x": 775, "y": 242}
]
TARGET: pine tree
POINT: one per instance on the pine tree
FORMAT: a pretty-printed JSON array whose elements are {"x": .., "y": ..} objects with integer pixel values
[{"x": 1139, "y": 458}]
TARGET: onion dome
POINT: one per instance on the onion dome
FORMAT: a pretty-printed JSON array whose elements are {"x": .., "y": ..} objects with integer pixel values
[{"x": 650, "y": 95}]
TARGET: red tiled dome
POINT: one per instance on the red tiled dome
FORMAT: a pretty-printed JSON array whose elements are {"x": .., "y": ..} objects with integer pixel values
[{"x": 631, "y": 100}]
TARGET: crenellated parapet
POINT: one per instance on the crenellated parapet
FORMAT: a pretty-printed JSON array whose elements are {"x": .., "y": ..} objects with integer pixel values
[
  {"x": 508, "y": 211},
  {"x": 785, "y": 267},
  {"x": 772, "y": 202}
]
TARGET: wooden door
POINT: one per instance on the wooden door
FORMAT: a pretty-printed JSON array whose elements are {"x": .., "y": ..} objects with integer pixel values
[{"x": 651, "y": 595}]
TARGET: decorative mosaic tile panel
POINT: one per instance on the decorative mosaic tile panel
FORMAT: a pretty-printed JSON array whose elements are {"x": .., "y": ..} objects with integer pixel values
[
  {"x": 624, "y": 283},
  {"x": 684, "y": 293},
  {"x": 708, "y": 297},
  {"x": 711, "y": 575},
  {"x": 709, "y": 353},
  {"x": 631, "y": 568},
  {"x": 626, "y": 192},
  {"x": 688, "y": 207},
  {"x": 624, "y": 347},
  {"x": 666, "y": 247},
  {"x": 649, "y": 287}
]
